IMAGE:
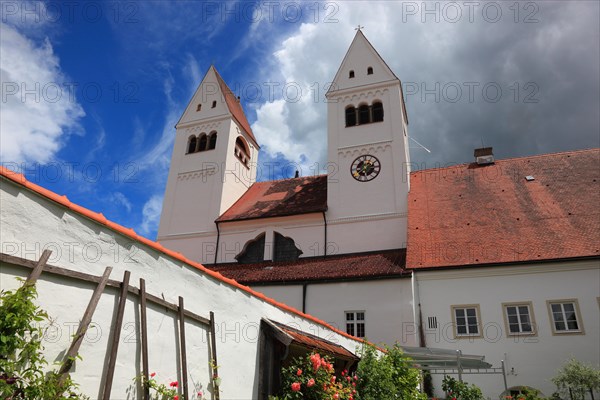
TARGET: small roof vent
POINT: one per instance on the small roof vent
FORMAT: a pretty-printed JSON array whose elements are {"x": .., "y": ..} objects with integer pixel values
[
  {"x": 529, "y": 178},
  {"x": 484, "y": 156}
]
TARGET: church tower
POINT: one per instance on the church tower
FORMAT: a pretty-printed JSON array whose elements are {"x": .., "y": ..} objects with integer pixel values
[
  {"x": 212, "y": 165},
  {"x": 368, "y": 148}
]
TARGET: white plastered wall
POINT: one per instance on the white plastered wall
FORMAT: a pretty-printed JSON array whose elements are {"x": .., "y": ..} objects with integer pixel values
[
  {"x": 535, "y": 359},
  {"x": 387, "y": 304},
  {"x": 31, "y": 223}
]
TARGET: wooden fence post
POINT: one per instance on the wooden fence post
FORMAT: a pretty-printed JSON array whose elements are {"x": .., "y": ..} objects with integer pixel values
[
  {"x": 184, "y": 370},
  {"x": 213, "y": 351},
  {"x": 144, "y": 329},
  {"x": 116, "y": 337}
]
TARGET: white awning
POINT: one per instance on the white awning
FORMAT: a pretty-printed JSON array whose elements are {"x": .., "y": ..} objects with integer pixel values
[{"x": 428, "y": 357}]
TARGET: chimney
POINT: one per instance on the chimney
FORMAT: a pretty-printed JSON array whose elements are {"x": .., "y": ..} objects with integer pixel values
[
  {"x": 297, "y": 174},
  {"x": 484, "y": 156}
]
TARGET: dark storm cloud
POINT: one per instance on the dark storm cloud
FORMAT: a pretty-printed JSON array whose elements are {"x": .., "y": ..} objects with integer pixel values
[{"x": 548, "y": 72}]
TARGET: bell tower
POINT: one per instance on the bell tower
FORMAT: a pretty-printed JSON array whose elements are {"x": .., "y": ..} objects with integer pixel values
[
  {"x": 213, "y": 163},
  {"x": 368, "y": 147}
]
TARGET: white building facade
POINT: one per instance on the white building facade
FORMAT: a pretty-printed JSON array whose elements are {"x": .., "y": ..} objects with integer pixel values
[{"x": 446, "y": 258}]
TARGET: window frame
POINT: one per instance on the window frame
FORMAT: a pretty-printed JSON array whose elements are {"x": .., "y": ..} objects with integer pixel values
[
  {"x": 188, "y": 146},
  {"x": 244, "y": 151},
  {"x": 579, "y": 319},
  {"x": 350, "y": 109},
  {"x": 199, "y": 146},
  {"x": 373, "y": 110},
  {"x": 457, "y": 335},
  {"x": 363, "y": 110},
  {"x": 212, "y": 138},
  {"x": 355, "y": 323},
  {"x": 532, "y": 322}
]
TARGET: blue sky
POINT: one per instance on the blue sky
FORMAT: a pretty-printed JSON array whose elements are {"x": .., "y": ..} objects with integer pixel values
[{"x": 91, "y": 91}]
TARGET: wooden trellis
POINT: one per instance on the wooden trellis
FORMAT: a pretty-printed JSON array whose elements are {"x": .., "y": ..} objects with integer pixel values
[{"x": 41, "y": 266}]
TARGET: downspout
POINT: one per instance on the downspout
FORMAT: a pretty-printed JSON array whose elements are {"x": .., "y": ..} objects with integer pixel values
[
  {"x": 218, "y": 236},
  {"x": 421, "y": 333},
  {"x": 417, "y": 314},
  {"x": 325, "y": 235},
  {"x": 304, "y": 298}
]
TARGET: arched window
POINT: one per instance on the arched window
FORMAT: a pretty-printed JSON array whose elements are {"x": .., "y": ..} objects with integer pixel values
[
  {"x": 377, "y": 109},
  {"x": 363, "y": 114},
  {"x": 202, "y": 144},
  {"x": 370, "y": 71},
  {"x": 254, "y": 251},
  {"x": 350, "y": 116},
  {"x": 285, "y": 249},
  {"x": 241, "y": 151},
  {"x": 199, "y": 107},
  {"x": 214, "y": 104},
  {"x": 191, "y": 147},
  {"x": 212, "y": 143},
  {"x": 351, "y": 74}
]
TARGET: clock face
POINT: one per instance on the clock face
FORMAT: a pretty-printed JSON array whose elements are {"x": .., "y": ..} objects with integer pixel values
[{"x": 365, "y": 168}]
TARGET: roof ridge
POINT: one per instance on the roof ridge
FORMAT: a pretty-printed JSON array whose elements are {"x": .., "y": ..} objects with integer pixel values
[
  {"x": 288, "y": 179},
  {"x": 331, "y": 257},
  {"x": 510, "y": 159},
  {"x": 99, "y": 218}
]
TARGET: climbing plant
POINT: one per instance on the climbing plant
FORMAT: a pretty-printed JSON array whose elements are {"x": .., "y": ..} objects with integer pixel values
[{"x": 22, "y": 363}]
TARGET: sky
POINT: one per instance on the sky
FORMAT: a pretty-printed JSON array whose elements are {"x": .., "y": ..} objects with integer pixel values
[{"x": 91, "y": 91}]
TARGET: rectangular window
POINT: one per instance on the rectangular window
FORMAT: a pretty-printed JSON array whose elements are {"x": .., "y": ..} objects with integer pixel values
[
  {"x": 519, "y": 318},
  {"x": 466, "y": 321},
  {"x": 565, "y": 316},
  {"x": 355, "y": 323}
]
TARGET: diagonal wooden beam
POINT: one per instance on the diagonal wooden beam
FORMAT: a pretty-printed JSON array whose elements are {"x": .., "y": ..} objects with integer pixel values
[
  {"x": 39, "y": 268},
  {"x": 83, "y": 325}
]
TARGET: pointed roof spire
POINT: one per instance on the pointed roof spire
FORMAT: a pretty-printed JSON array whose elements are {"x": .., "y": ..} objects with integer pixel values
[
  {"x": 235, "y": 107},
  {"x": 362, "y": 65},
  {"x": 361, "y": 51},
  {"x": 231, "y": 104}
]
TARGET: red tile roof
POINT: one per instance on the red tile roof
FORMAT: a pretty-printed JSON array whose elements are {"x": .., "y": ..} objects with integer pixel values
[
  {"x": 130, "y": 233},
  {"x": 361, "y": 266},
  {"x": 280, "y": 198},
  {"x": 315, "y": 343},
  {"x": 235, "y": 107},
  {"x": 471, "y": 215}
]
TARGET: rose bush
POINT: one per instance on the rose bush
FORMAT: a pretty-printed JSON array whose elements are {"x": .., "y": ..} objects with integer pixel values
[{"x": 313, "y": 378}]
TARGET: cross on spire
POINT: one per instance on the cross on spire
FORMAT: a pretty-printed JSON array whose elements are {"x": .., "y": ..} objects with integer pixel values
[{"x": 358, "y": 28}]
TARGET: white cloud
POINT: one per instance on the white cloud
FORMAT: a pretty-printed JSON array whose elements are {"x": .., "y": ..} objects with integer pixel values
[
  {"x": 38, "y": 110},
  {"x": 151, "y": 215},
  {"x": 122, "y": 200},
  {"x": 296, "y": 126}
]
